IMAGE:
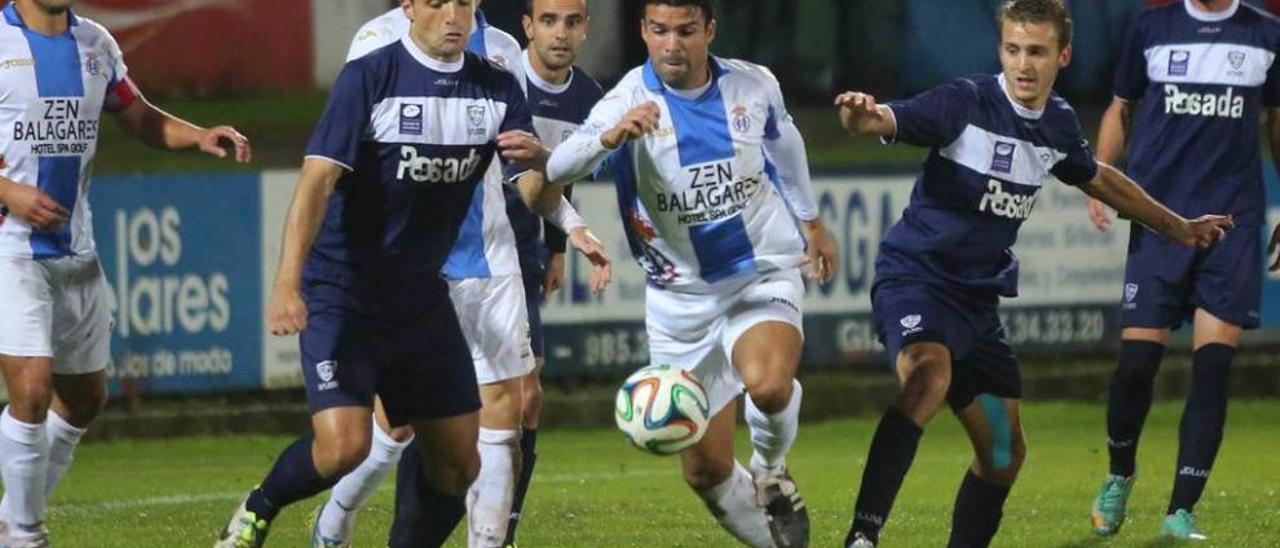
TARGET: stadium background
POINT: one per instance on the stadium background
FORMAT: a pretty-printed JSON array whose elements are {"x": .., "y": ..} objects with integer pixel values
[{"x": 189, "y": 244}]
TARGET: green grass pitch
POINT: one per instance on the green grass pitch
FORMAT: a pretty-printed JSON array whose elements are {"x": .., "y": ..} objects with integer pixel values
[{"x": 593, "y": 490}]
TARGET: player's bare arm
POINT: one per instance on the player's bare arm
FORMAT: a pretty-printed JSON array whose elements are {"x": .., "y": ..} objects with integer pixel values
[
  {"x": 32, "y": 205},
  {"x": 637, "y": 123},
  {"x": 1112, "y": 136},
  {"x": 861, "y": 115},
  {"x": 1113, "y": 188},
  {"x": 163, "y": 130},
  {"x": 286, "y": 313}
]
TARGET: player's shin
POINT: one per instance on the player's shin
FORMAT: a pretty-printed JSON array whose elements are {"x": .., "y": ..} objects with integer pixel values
[
  {"x": 978, "y": 509},
  {"x": 24, "y": 464},
  {"x": 336, "y": 520},
  {"x": 1203, "y": 421},
  {"x": 893, "y": 448},
  {"x": 489, "y": 499},
  {"x": 1129, "y": 400},
  {"x": 773, "y": 435}
]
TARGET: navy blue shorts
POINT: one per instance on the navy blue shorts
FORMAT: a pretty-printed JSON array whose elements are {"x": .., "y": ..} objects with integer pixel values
[
  {"x": 419, "y": 363},
  {"x": 1165, "y": 282},
  {"x": 533, "y": 302},
  {"x": 982, "y": 362}
]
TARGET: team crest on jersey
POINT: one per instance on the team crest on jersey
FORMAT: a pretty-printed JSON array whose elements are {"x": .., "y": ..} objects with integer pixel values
[
  {"x": 911, "y": 322},
  {"x": 1236, "y": 58},
  {"x": 475, "y": 120},
  {"x": 1002, "y": 159},
  {"x": 326, "y": 370},
  {"x": 741, "y": 122},
  {"x": 410, "y": 119},
  {"x": 91, "y": 64},
  {"x": 1130, "y": 292},
  {"x": 1179, "y": 62}
]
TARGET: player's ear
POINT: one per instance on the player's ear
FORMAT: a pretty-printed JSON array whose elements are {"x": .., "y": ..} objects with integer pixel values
[
  {"x": 711, "y": 31},
  {"x": 1064, "y": 58},
  {"x": 407, "y": 6},
  {"x": 526, "y": 21}
]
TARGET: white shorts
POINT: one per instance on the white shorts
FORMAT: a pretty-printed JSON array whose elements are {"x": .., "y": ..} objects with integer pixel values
[
  {"x": 697, "y": 332},
  {"x": 56, "y": 308},
  {"x": 496, "y": 323}
]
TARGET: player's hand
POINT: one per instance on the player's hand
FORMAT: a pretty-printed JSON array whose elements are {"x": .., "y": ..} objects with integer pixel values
[
  {"x": 823, "y": 253},
  {"x": 1273, "y": 246},
  {"x": 33, "y": 206},
  {"x": 286, "y": 313},
  {"x": 637, "y": 123},
  {"x": 553, "y": 278},
  {"x": 1099, "y": 213},
  {"x": 1206, "y": 230},
  {"x": 210, "y": 142},
  {"x": 855, "y": 106},
  {"x": 524, "y": 148},
  {"x": 601, "y": 267}
]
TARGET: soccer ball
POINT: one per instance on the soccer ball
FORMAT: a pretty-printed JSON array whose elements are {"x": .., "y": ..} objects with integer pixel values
[{"x": 662, "y": 409}]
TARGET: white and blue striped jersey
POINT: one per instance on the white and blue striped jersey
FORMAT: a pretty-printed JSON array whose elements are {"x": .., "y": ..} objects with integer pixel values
[
  {"x": 53, "y": 90},
  {"x": 702, "y": 200},
  {"x": 486, "y": 245}
]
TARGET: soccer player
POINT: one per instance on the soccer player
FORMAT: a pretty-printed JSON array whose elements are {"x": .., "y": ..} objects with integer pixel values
[
  {"x": 490, "y": 300},
  {"x": 1191, "y": 82},
  {"x": 710, "y": 170},
  {"x": 391, "y": 172},
  {"x": 61, "y": 72},
  {"x": 943, "y": 267}
]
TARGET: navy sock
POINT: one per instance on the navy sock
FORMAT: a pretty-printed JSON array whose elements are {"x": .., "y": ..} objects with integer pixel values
[
  {"x": 976, "y": 517},
  {"x": 293, "y": 478},
  {"x": 1129, "y": 400},
  {"x": 1203, "y": 420},
  {"x": 424, "y": 516},
  {"x": 528, "y": 457},
  {"x": 892, "y": 449}
]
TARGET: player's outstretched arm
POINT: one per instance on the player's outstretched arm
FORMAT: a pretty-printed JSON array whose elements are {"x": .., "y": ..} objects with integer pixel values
[
  {"x": 1113, "y": 188},
  {"x": 860, "y": 115},
  {"x": 1112, "y": 136},
  {"x": 585, "y": 150},
  {"x": 163, "y": 130},
  {"x": 286, "y": 313}
]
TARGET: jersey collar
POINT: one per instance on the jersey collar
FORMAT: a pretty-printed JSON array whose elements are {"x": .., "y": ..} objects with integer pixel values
[
  {"x": 12, "y": 17},
  {"x": 1211, "y": 16},
  {"x": 537, "y": 80},
  {"x": 429, "y": 61},
  {"x": 1022, "y": 111},
  {"x": 654, "y": 84}
]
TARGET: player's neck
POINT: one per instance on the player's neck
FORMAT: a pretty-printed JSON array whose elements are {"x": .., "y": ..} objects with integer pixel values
[
  {"x": 555, "y": 77},
  {"x": 695, "y": 82},
  {"x": 1212, "y": 6},
  {"x": 41, "y": 21},
  {"x": 434, "y": 53}
]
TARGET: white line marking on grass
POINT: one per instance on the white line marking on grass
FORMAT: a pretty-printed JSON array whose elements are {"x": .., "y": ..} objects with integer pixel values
[{"x": 92, "y": 508}]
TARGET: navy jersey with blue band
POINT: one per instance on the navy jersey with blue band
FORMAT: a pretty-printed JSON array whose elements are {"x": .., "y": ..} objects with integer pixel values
[
  {"x": 989, "y": 158},
  {"x": 1201, "y": 81},
  {"x": 415, "y": 136},
  {"x": 556, "y": 115}
]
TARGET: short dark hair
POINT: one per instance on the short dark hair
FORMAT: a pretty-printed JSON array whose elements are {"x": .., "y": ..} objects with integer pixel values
[
  {"x": 528, "y": 7},
  {"x": 708, "y": 12},
  {"x": 1039, "y": 11}
]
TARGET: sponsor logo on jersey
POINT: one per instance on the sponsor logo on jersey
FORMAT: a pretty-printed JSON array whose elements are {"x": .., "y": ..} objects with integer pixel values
[
  {"x": 1009, "y": 205},
  {"x": 1179, "y": 62},
  {"x": 59, "y": 130},
  {"x": 1002, "y": 158},
  {"x": 713, "y": 193},
  {"x": 411, "y": 119},
  {"x": 1221, "y": 105},
  {"x": 423, "y": 169},
  {"x": 18, "y": 62}
]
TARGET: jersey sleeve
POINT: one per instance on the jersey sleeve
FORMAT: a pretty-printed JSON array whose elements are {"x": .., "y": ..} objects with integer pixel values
[
  {"x": 345, "y": 121},
  {"x": 1131, "y": 64},
  {"x": 518, "y": 117},
  {"x": 1271, "y": 87},
  {"x": 1079, "y": 166},
  {"x": 121, "y": 92},
  {"x": 582, "y": 153},
  {"x": 935, "y": 117},
  {"x": 370, "y": 37}
]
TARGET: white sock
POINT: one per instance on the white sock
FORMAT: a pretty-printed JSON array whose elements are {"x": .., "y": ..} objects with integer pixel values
[
  {"x": 489, "y": 499},
  {"x": 24, "y": 466},
  {"x": 733, "y": 503},
  {"x": 63, "y": 439},
  {"x": 354, "y": 489},
  {"x": 773, "y": 435}
]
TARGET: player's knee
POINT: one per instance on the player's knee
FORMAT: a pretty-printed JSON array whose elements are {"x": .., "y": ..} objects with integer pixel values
[
  {"x": 338, "y": 457},
  {"x": 1002, "y": 464},
  {"x": 771, "y": 395},
  {"x": 400, "y": 434},
  {"x": 454, "y": 477},
  {"x": 707, "y": 473},
  {"x": 929, "y": 379},
  {"x": 532, "y": 401},
  {"x": 29, "y": 400},
  {"x": 83, "y": 410}
]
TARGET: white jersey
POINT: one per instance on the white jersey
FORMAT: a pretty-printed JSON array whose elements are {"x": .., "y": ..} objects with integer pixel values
[
  {"x": 52, "y": 94},
  {"x": 486, "y": 243},
  {"x": 699, "y": 196}
]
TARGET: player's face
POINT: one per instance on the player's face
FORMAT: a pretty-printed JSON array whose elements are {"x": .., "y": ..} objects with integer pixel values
[
  {"x": 678, "y": 39},
  {"x": 442, "y": 27},
  {"x": 1031, "y": 59},
  {"x": 556, "y": 29}
]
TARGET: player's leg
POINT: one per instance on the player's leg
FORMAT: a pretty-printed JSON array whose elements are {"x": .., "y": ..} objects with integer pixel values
[
  {"x": 532, "y": 398},
  {"x": 764, "y": 338},
  {"x": 334, "y": 521},
  {"x": 489, "y": 500},
  {"x": 435, "y": 473},
  {"x": 723, "y": 484},
  {"x": 994, "y": 425}
]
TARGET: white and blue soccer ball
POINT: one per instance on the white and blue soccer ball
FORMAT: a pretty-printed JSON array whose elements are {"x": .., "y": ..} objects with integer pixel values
[{"x": 662, "y": 409}]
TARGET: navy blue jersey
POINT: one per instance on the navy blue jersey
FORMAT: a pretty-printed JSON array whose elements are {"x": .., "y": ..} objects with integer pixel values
[
  {"x": 558, "y": 110},
  {"x": 989, "y": 158},
  {"x": 1202, "y": 81},
  {"x": 415, "y": 136}
]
